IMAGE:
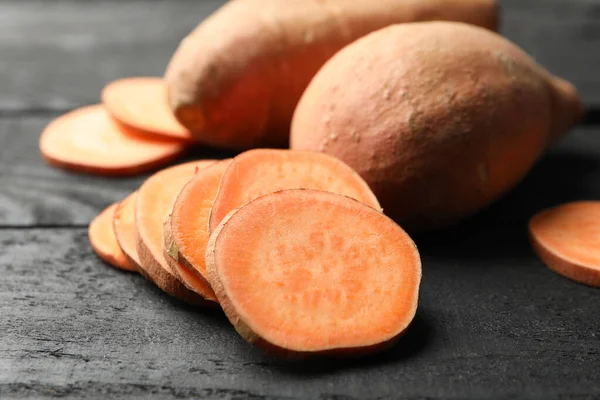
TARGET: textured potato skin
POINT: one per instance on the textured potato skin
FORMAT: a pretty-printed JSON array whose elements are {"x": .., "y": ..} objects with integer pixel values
[
  {"x": 236, "y": 79},
  {"x": 439, "y": 118}
]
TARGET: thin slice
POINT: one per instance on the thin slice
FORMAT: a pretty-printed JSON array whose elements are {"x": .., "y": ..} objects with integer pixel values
[
  {"x": 154, "y": 203},
  {"x": 141, "y": 103},
  {"x": 124, "y": 228},
  {"x": 567, "y": 239},
  {"x": 262, "y": 171},
  {"x": 303, "y": 272},
  {"x": 89, "y": 140},
  {"x": 190, "y": 279},
  {"x": 103, "y": 240},
  {"x": 186, "y": 232}
]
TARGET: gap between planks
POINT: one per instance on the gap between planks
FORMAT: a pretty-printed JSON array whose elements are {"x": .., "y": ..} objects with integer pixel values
[{"x": 8, "y": 227}]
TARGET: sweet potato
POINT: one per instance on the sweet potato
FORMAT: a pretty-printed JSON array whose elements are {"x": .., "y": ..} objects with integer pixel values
[
  {"x": 236, "y": 79},
  {"x": 103, "y": 240},
  {"x": 439, "y": 118},
  {"x": 258, "y": 172},
  {"x": 154, "y": 202},
  {"x": 125, "y": 231},
  {"x": 141, "y": 103},
  {"x": 90, "y": 140},
  {"x": 567, "y": 239},
  {"x": 303, "y": 272},
  {"x": 186, "y": 230}
]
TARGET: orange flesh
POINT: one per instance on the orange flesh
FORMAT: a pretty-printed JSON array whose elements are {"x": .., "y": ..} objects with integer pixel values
[
  {"x": 311, "y": 271},
  {"x": 142, "y": 103},
  {"x": 124, "y": 228},
  {"x": 89, "y": 140},
  {"x": 567, "y": 239},
  {"x": 189, "y": 219},
  {"x": 103, "y": 240},
  {"x": 258, "y": 172},
  {"x": 154, "y": 203}
]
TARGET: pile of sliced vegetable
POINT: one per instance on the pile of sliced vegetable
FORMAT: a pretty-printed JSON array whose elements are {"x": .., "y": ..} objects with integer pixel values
[{"x": 434, "y": 120}]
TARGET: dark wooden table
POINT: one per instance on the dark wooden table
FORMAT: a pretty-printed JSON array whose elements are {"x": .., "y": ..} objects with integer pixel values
[{"x": 493, "y": 322}]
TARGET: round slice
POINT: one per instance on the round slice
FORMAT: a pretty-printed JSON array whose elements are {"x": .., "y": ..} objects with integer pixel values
[
  {"x": 567, "y": 239},
  {"x": 141, "y": 103},
  {"x": 306, "y": 272},
  {"x": 154, "y": 203},
  {"x": 103, "y": 240},
  {"x": 258, "y": 172},
  {"x": 186, "y": 231},
  {"x": 124, "y": 228},
  {"x": 89, "y": 140}
]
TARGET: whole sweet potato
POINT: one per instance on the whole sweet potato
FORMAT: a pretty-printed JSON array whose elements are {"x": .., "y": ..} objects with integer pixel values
[
  {"x": 439, "y": 118},
  {"x": 236, "y": 79}
]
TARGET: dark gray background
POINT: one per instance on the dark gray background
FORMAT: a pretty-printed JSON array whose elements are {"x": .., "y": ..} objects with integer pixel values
[{"x": 493, "y": 322}]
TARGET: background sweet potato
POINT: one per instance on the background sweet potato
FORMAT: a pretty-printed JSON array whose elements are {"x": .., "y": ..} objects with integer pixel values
[
  {"x": 236, "y": 79},
  {"x": 440, "y": 118}
]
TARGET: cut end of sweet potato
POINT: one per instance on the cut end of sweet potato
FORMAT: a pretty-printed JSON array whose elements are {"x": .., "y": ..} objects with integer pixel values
[
  {"x": 103, "y": 240},
  {"x": 125, "y": 231},
  {"x": 142, "y": 103},
  {"x": 308, "y": 272},
  {"x": 258, "y": 172},
  {"x": 567, "y": 107},
  {"x": 567, "y": 239},
  {"x": 154, "y": 203},
  {"x": 89, "y": 140}
]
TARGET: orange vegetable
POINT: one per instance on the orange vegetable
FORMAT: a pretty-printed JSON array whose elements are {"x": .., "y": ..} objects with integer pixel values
[
  {"x": 125, "y": 231},
  {"x": 439, "y": 118},
  {"x": 186, "y": 231},
  {"x": 141, "y": 103},
  {"x": 567, "y": 239},
  {"x": 103, "y": 240},
  {"x": 89, "y": 140},
  {"x": 303, "y": 272},
  {"x": 262, "y": 171},
  {"x": 154, "y": 203},
  {"x": 237, "y": 78}
]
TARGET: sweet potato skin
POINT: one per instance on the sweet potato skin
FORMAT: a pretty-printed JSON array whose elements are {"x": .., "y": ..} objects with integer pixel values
[
  {"x": 236, "y": 79},
  {"x": 439, "y": 118}
]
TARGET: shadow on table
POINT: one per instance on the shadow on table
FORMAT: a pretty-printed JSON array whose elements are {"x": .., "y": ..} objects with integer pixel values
[{"x": 500, "y": 232}]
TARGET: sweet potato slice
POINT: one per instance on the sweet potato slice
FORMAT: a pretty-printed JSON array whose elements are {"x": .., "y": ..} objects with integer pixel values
[
  {"x": 103, "y": 240},
  {"x": 567, "y": 239},
  {"x": 262, "y": 171},
  {"x": 89, "y": 140},
  {"x": 141, "y": 103},
  {"x": 186, "y": 231},
  {"x": 154, "y": 203},
  {"x": 302, "y": 272},
  {"x": 125, "y": 231}
]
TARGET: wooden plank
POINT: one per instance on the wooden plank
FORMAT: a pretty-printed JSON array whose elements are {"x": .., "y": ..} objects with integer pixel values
[
  {"x": 33, "y": 193},
  {"x": 492, "y": 323},
  {"x": 562, "y": 35},
  {"x": 60, "y": 54}
]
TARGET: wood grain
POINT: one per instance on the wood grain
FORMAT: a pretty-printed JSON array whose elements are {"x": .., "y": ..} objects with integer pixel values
[
  {"x": 60, "y": 54},
  {"x": 493, "y": 323}
]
